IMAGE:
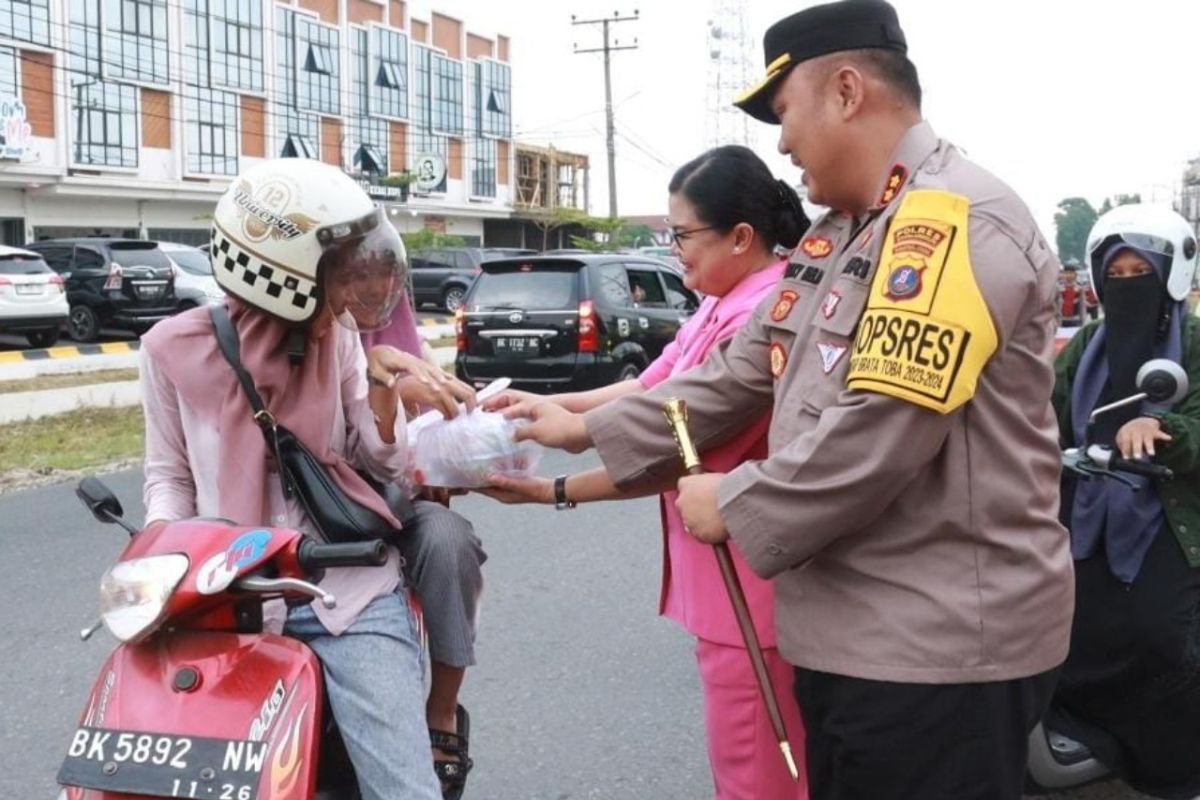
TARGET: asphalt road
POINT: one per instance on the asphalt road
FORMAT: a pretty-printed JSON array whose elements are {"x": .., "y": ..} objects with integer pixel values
[{"x": 580, "y": 691}]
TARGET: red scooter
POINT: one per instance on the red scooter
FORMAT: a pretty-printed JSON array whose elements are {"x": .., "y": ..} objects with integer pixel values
[{"x": 197, "y": 701}]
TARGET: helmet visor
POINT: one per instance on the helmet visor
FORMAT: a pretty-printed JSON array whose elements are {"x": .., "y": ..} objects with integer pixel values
[{"x": 364, "y": 268}]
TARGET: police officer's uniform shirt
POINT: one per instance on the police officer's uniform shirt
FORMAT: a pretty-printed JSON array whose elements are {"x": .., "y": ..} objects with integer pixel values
[{"x": 908, "y": 509}]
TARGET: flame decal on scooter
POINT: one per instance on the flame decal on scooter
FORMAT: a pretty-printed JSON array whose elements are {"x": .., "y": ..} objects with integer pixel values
[{"x": 287, "y": 758}]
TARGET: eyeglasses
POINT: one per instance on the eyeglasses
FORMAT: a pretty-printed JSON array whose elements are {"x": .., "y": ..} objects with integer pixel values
[{"x": 679, "y": 237}]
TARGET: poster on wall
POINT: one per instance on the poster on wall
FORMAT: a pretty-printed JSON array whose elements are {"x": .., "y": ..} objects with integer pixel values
[
  {"x": 430, "y": 169},
  {"x": 15, "y": 131}
]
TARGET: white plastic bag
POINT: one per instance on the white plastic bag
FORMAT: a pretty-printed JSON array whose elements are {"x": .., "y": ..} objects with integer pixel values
[{"x": 461, "y": 453}]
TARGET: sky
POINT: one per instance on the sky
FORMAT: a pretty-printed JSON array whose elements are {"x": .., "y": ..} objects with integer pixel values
[{"x": 1058, "y": 98}]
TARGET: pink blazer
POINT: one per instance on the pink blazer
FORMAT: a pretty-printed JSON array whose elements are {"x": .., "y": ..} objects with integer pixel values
[{"x": 692, "y": 591}]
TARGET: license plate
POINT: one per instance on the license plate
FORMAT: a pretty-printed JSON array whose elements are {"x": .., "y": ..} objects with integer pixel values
[
  {"x": 517, "y": 345},
  {"x": 29, "y": 288},
  {"x": 163, "y": 765},
  {"x": 148, "y": 292}
]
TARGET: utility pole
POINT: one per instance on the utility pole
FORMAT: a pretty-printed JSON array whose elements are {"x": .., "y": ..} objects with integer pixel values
[{"x": 605, "y": 23}]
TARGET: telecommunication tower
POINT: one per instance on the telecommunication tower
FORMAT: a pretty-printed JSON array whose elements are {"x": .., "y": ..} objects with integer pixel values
[{"x": 730, "y": 60}]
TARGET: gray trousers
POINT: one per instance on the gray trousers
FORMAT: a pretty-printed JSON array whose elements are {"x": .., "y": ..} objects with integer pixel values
[{"x": 442, "y": 559}]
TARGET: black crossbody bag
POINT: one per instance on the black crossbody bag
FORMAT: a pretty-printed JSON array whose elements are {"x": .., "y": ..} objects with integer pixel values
[{"x": 338, "y": 518}]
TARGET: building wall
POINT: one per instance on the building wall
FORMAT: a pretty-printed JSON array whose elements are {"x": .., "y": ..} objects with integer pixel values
[{"x": 164, "y": 119}]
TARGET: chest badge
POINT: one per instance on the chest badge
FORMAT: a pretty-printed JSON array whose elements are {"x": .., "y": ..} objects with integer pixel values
[
  {"x": 784, "y": 305},
  {"x": 904, "y": 282},
  {"x": 816, "y": 247},
  {"x": 831, "y": 354},
  {"x": 830, "y": 303},
  {"x": 778, "y": 359}
]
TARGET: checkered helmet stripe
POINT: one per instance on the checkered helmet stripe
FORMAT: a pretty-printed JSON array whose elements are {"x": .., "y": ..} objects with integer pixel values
[{"x": 259, "y": 283}]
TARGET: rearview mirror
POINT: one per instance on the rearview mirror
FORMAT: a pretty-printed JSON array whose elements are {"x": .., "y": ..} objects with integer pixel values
[
  {"x": 1163, "y": 381},
  {"x": 99, "y": 499}
]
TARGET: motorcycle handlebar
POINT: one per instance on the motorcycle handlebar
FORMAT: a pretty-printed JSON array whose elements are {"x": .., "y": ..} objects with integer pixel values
[
  {"x": 1135, "y": 466},
  {"x": 314, "y": 556}
]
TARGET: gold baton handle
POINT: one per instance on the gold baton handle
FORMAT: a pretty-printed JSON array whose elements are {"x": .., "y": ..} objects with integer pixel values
[{"x": 677, "y": 414}]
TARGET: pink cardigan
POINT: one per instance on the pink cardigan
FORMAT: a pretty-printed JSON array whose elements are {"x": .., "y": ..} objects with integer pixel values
[{"x": 692, "y": 591}]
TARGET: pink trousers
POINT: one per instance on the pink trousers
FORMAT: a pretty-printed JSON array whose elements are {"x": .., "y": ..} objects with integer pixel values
[{"x": 742, "y": 749}]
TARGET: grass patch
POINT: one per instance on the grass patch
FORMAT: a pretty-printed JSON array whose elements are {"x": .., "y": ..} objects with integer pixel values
[
  {"x": 68, "y": 379},
  {"x": 82, "y": 439}
]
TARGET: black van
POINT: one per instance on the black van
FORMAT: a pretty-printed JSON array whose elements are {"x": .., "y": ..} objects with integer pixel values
[
  {"x": 114, "y": 283},
  {"x": 569, "y": 322}
]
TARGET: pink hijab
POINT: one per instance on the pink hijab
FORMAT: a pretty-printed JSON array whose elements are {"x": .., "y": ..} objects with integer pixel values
[
  {"x": 302, "y": 397},
  {"x": 401, "y": 333}
]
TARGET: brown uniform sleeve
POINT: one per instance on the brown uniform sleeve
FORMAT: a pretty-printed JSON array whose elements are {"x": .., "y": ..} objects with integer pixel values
[
  {"x": 865, "y": 448},
  {"x": 725, "y": 393}
]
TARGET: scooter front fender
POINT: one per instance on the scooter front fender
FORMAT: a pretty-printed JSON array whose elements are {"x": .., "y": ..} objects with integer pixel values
[{"x": 258, "y": 687}]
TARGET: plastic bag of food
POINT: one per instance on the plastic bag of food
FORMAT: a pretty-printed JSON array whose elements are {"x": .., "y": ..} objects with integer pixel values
[{"x": 461, "y": 453}]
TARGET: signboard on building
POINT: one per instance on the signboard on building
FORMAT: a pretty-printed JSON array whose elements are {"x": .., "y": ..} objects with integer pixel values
[
  {"x": 430, "y": 169},
  {"x": 377, "y": 192},
  {"x": 15, "y": 131}
]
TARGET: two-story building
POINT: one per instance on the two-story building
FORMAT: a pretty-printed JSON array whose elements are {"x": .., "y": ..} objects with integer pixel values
[{"x": 128, "y": 117}]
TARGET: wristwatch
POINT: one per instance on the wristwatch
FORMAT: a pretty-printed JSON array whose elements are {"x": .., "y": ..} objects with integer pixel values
[{"x": 560, "y": 494}]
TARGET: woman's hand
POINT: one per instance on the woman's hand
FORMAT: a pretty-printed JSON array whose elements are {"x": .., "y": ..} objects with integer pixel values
[
  {"x": 550, "y": 425},
  {"x": 424, "y": 383},
  {"x": 1136, "y": 438},
  {"x": 513, "y": 490}
]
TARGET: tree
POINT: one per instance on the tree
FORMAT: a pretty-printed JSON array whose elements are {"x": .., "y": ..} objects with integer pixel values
[
  {"x": 427, "y": 239},
  {"x": 1121, "y": 200},
  {"x": 610, "y": 234},
  {"x": 1073, "y": 221},
  {"x": 553, "y": 220}
]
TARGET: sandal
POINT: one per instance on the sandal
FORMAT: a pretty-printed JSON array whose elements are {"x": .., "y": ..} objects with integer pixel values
[{"x": 453, "y": 772}]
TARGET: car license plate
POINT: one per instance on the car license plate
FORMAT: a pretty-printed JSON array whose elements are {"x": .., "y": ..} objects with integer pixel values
[
  {"x": 148, "y": 292},
  {"x": 163, "y": 765},
  {"x": 517, "y": 345},
  {"x": 29, "y": 288}
]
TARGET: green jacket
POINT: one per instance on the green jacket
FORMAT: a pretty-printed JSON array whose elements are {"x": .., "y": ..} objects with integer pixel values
[{"x": 1180, "y": 496}]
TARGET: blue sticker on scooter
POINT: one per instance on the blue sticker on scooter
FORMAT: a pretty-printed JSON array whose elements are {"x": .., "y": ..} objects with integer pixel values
[{"x": 247, "y": 548}]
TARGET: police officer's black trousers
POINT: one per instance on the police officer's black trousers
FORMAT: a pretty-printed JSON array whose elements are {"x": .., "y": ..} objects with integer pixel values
[{"x": 877, "y": 740}]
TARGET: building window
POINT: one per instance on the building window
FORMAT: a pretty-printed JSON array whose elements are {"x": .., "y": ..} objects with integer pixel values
[
  {"x": 210, "y": 135},
  {"x": 8, "y": 72},
  {"x": 27, "y": 20},
  {"x": 135, "y": 40},
  {"x": 447, "y": 95},
  {"x": 317, "y": 77},
  {"x": 388, "y": 71},
  {"x": 105, "y": 124},
  {"x": 495, "y": 95},
  {"x": 483, "y": 174},
  {"x": 84, "y": 33},
  {"x": 369, "y": 136},
  {"x": 237, "y": 38}
]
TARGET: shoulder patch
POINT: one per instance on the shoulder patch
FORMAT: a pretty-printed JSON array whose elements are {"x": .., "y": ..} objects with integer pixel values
[{"x": 926, "y": 334}]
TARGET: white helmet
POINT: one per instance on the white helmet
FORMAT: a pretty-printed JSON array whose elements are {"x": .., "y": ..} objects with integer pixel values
[
  {"x": 1154, "y": 228},
  {"x": 281, "y": 223}
]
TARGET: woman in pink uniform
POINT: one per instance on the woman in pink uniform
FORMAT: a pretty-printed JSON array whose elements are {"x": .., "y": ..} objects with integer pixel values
[{"x": 727, "y": 215}]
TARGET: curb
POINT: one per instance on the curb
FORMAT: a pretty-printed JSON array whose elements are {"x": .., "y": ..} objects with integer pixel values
[{"x": 69, "y": 351}]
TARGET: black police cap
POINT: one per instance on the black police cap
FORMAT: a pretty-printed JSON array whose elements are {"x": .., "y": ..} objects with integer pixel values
[{"x": 817, "y": 31}]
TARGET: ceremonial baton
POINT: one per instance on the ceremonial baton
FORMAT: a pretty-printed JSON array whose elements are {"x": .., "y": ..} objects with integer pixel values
[{"x": 676, "y": 412}]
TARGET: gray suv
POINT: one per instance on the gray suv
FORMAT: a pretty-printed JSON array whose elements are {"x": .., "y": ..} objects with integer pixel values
[{"x": 441, "y": 276}]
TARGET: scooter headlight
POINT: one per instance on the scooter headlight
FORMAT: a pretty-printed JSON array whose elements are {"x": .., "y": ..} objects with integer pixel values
[{"x": 134, "y": 594}]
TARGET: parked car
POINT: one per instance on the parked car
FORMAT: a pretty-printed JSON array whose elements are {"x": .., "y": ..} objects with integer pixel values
[
  {"x": 559, "y": 323},
  {"x": 33, "y": 298},
  {"x": 442, "y": 276},
  {"x": 194, "y": 281},
  {"x": 117, "y": 283}
]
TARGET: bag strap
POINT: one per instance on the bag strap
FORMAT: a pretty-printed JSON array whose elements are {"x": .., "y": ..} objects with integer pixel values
[{"x": 227, "y": 340}]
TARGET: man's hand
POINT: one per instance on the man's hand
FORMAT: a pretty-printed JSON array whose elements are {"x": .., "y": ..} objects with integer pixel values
[
  {"x": 550, "y": 425},
  {"x": 1136, "y": 438},
  {"x": 697, "y": 504}
]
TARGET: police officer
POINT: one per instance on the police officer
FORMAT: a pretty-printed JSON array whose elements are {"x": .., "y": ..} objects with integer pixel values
[{"x": 908, "y": 505}]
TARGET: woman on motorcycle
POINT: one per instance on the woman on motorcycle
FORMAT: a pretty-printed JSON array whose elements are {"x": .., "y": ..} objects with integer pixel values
[
  {"x": 727, "y": 214},
  {"x": 1130, "y": 688},
  {"x": 296, "y": 244}
]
